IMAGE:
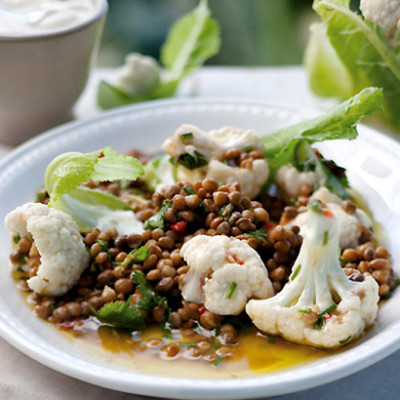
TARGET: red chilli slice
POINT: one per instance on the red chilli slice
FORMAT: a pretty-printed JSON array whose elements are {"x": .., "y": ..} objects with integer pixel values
[{"x": 179, "y": 226}]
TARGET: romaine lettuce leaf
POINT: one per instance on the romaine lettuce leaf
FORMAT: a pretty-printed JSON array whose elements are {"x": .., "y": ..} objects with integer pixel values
[
  {"x": 364, "y": 51},
  {"x": 192, "y": 40}
]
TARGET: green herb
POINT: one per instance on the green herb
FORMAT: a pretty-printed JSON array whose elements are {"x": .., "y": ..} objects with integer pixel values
[
  {"x": 343, "y": 262},
  {"x": 16, "y": 239},
  {"x": 157, "y": 220},
  {"x": 272, "y": 339},
  {"x": 119, "y": 315},
  {"x": 216, "y": 331},
  {"x": 397, "y": 281},
  {"x": 218, "y": 361},
  {"x": 216, "y": 346},
  {"x": 226, "y": 162},
  {"x": 226, "y": 211},
  {"x": 191, "y": 162},
  {"x": 295, "y": 272},
  {"x": 305, "y": 310},
  {"x": 293, "y": 201},
  {"x": 160, "y": 171},
  {"x": 22, "y": 259},
  {"x": 316, "y": 206},
  {"x": 326, "y": 238},
  {"x": 259, "y": 234},
  {"x": 231, "y": 290},
  {"x": 322, "y": 313},
  {"x": 241, "y": 323},
  {"x": 103, "y": 244},
  {"x": 129, "y": 316},
  {"x": 136, "y": 255},
  {"x": 248, "y": 149},
  {"x": 165, "y": 329},
  {"x": 187, "y": 136},
  {"x": 344, "y": 341},
  {"x": 184, "y": 344},
  {"x": 189, "y": 189},
  {"x": 191, "y": 41}
]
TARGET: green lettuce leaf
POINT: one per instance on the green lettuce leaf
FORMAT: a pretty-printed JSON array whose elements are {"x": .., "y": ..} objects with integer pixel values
[
  {"x": 365, "y": 53},
  {"x": 192, "y": 40},
  {"x": 160, "y": 172},
  {"x": 292, "y": 145},
  {"x": 89, "y": 207}
]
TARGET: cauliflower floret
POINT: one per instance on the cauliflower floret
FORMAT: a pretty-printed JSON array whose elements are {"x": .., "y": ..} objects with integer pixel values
[
  {"x": 320, "y": 305},
  {"x": 139, "y": 76},
  {"x": 350, "y": 225},
  {"x": 203, "y": 153},
  {"x": 289, "y": 180},
  {"x": 229, "y": 137},
  {"x": 251, "y": 180},
  {"x": 219, "y": 265},
  {"x": 385, "y": 13},
  {"x": 60, "y": 245},
  {"x": 325, "y": 196}
]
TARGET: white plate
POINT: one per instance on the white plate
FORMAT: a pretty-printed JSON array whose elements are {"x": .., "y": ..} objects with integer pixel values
[{"x": 374, "y": 165}]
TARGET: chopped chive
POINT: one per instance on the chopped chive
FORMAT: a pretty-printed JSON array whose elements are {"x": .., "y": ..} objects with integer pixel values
[
  {"x": 189, "y": 189},
  {"x": 248, "y": 149},
  {"x": 319, "y": 323},
  {"x": 272, "y": 339},
  {"x": 215, "y": 345},
  {"x": 183, "y": 344},
  {"x": 397, "y": 281},
  {"x": 325, "y": 240},
  {"x": 259, "y": 234},
  {"x": 187, "y": 136},
  {"x": 103, "y": 244},
  {"x": 16, "y": 239},
  {"x": 315, "y": 206},
  {"x": 344, "y": 341},
  {"x": 231, "y": 290},
  {"x": 217, "y": 362},
  {"x": 296, "y": 272},
  {"x": 328, "y": 309},
  {"x": 305, "y": 310},
  {"x": 216, "y": 331}
]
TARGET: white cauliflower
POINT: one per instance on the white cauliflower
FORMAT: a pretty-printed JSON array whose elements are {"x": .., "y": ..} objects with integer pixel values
[
  {"x": 320, "y": 305},
  {"x": 200, "y": 155},
  {"x": 251, "y": 180},
  {"x": 224, "y": 274},
  {"x": 289, "y": 180},
  {"x": 350, "y": 229},
  {"x": 385, "y": 13},
  {"x": 139, "y": 76},
  {"x": 59, "y": 243}
]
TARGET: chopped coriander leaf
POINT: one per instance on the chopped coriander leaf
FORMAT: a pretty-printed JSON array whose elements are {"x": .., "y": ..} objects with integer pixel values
[
  {"x": 22, "y": 259},
  {"x": 103, "y": 244},
  {"x": 259, "y": 234},
  {"x": 119, "y": 315},
  {"x": 138, "y": 255},
  {"x": 172, "y": 161},
  {"x": 192, "y": 161},
  {"x": 16, "y": 239},
  {"x": 187, "y": 136},
  {"x": 248, "y": 149},
  {"x": 184, "y": 344},
  {"x": 325, "y": 240},
  {"x": 344, "y": 341},
  {"x": 296, "y": 272},
  {"x": 343, "y": 262},
  {"x": 157, "y": 220},
  {"x": 218, "y": 361},
  {"x": 316, "y": 206},
  {"x": 231, "y": 290},
  {"x": 188, "y": 189},
  {"x": 305, "y": 310},
  {"x": 397, "y": 281},
  {"x": 226, "y": 211},
  {"x": 272, "y": 339}
]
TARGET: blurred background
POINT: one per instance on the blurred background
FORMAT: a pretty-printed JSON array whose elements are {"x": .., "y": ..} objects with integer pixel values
[{"x": 254, "y": 32}]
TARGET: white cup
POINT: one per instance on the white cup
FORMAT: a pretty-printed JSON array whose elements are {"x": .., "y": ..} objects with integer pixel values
[{"x": 42, "y": 76}]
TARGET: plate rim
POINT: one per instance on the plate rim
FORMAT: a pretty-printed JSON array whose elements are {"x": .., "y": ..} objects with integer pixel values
[{"x": 167, "y": 386}]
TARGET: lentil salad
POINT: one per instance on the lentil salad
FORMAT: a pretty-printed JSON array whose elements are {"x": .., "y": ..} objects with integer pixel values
[{"x": 147, "y": 268}]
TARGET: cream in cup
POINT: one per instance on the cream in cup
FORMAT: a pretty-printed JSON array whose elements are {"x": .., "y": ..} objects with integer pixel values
[{"x": 46, "y": 49}]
